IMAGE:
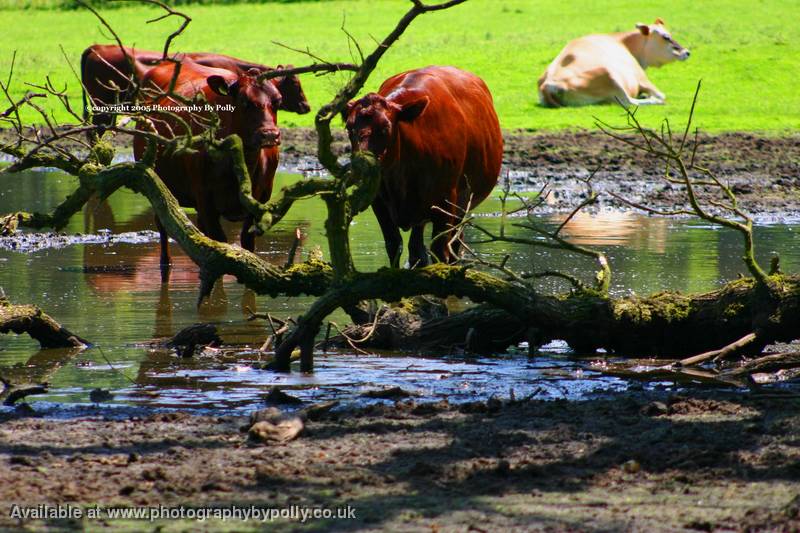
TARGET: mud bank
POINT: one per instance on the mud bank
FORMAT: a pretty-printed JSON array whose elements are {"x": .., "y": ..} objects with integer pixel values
[
  {"x": 763, "y": 171},
  {"x": 641, "y": 461}
]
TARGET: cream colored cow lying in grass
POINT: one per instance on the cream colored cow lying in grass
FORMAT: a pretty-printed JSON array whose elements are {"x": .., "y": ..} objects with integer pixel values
[{"x": 610, "y": 67}]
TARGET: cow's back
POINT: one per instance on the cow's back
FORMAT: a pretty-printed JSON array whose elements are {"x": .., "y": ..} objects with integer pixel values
[
  {"x": 457, "y": 136},
  {"x": 184, "y": 175},
  {"x": 588, "y": 69},
  {"x": 595, "y": 51},
  {"x": 198, "y": 173}
]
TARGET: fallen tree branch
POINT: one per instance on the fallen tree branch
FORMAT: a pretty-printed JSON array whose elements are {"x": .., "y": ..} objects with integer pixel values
[
  {"x": 40, "y": 326},
  {"x": 12, "y": 392},
  {"x": 768, "y": 363},
  {"x": 722, "y": 353},
  {"x": 664, "y": 324}
]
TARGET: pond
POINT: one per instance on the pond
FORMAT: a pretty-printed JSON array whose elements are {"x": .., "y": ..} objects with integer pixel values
[{"x": 105, "y": 286}]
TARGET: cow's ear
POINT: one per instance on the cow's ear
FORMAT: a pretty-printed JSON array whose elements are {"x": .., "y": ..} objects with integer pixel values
[
  {"x": 346, "y": 111},
  {"x": 220, "y": 85},
  {"x": 659, "y": 21},
  {"x": 414, "y": 108},
  {"x": 643, "y": 28}
]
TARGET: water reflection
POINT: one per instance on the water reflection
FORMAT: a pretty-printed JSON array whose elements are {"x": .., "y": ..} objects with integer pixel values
[
  {"x": 111, "y": 294},
  {"x": 616, "y": 228}
]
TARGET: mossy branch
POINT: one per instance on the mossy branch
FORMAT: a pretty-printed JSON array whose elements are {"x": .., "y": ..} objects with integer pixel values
[
  {"x": 330, "y": 110},
  {"x": 38, "y": 324},
  {"x": 392, "y": 284},
  {"x": 265, "y": 215}
]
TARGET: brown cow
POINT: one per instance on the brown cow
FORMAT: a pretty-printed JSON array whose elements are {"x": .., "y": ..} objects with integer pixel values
[
  {"x": 436, "y": 134},
  {"x": 196, "y": 179},
  {"x": 104, "y": 65}
]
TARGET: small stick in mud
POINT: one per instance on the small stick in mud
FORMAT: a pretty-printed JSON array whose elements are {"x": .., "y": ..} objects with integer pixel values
[{"x": 720, "y": 354}]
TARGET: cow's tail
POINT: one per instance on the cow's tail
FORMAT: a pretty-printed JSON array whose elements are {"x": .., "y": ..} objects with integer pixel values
[{"x": 84, "y": 58}]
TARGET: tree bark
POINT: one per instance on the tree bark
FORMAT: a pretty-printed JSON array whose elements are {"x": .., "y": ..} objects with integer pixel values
[
  {"x": 665, "y": 324},
  {"x": 40, "y": 326}
]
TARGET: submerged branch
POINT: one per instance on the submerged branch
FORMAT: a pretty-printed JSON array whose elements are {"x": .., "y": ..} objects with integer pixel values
[{"x": 30, "y": 319}]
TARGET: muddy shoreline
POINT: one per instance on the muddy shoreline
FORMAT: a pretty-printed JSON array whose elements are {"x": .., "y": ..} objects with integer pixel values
[
  {"x": 646, "y": 461},
  {"x": 649, "y": 461},
  {"x": 763, "y": 171}
]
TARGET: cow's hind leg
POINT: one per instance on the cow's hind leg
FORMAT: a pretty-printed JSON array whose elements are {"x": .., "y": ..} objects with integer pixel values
[
  {"x": 442, "y": 233},
  {"x": 248, "y": 238},
  {"x": 391, "y": 233},
  {"x": 551, "y": 95},
  {"x": 417, "y": 253},
  {"x": 165, "y": 262},
  {"x": 208, "y": 219}
]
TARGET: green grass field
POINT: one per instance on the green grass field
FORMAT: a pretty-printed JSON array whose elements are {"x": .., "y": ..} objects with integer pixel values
[{"x": 745, "y": 52}]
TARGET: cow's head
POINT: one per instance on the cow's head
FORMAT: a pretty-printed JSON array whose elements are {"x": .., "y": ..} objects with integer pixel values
[
  {"x": 294, "y": 99},
  {"x": 659, "y": 47},
  {"x": 255, "y": 105},
  {"x": 372, "y": 121}
]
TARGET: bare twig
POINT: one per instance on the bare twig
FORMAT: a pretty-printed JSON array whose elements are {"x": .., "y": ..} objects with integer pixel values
[
  {"x": 662, "y": 146},
  {"x": 721, "y": 353},
  {"x": 316, "y": 67}
]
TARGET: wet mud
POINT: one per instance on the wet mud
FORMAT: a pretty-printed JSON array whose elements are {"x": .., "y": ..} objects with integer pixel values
[
  {"x": 764, "y": 172},
  {"x": 647, "y": 461},
  {"x": 637, "y": 461}
]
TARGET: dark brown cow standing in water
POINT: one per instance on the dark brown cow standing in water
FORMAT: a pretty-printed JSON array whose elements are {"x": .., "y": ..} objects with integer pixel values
[
  {"x": 196, "y": 179},
  {"x": 105, "y": 64},
  {"x": 436, "y": 134}
]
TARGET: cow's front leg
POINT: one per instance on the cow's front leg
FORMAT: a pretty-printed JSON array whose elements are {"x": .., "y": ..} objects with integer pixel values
[
  {"x": 391, "y": 233},
  {"x": 621, "y": 95},
  {"x": 652, "y": 92},
  {"x": 166, "y": 261},
  {"x": 417, "y": 253},
  {"x": 247, "y": 237}
]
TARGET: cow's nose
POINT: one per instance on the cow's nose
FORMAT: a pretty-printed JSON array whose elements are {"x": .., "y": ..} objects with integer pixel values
[
  {"x": 269, "y": 137},
  {"x": 685, "y": 54}
]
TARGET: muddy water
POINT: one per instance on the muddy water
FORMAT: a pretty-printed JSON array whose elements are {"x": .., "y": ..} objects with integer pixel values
[{"x": 105, "y": 285}]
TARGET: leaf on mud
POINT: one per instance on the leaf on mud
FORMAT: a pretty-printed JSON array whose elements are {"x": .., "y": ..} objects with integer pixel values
[{"x": 282, "y": 430}]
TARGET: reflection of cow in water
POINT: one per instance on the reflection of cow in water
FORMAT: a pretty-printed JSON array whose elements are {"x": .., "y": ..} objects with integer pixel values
[
  {"x": 135, "y": 267},
  {"x": 616, "y": 228}
]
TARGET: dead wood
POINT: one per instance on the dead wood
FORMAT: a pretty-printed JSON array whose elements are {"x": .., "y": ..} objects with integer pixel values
[{"x": 39, "y": 325}]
